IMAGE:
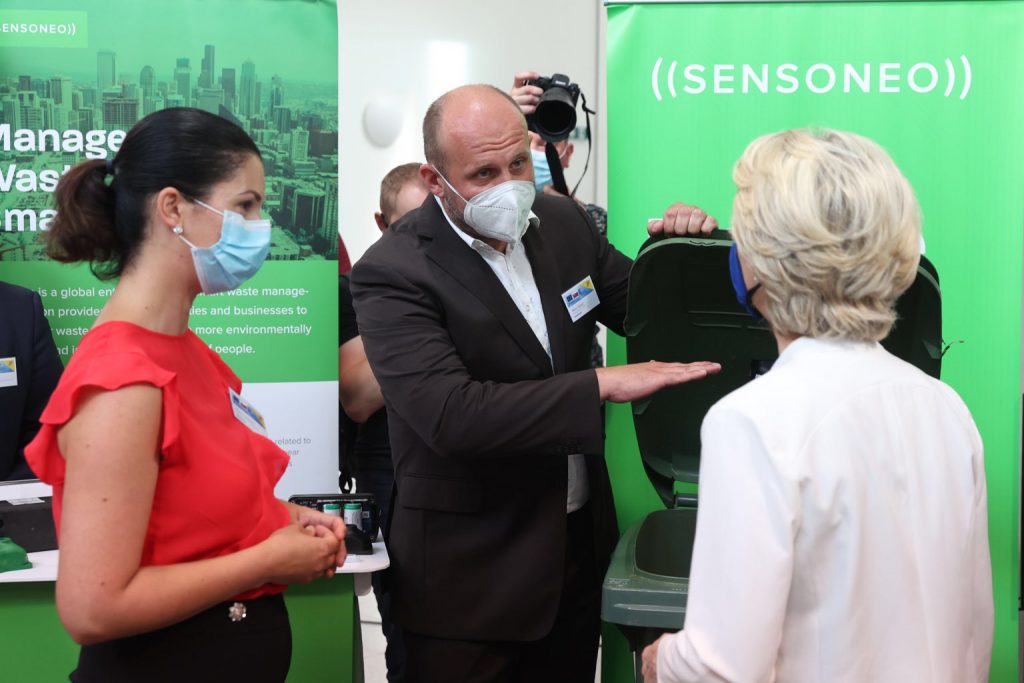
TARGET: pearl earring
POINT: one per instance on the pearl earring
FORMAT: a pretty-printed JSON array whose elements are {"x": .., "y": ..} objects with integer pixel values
[{"x": 177, "y": 230}]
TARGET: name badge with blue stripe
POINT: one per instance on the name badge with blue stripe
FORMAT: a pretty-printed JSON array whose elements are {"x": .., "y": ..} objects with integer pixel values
[{"x": 581, "y": 298}]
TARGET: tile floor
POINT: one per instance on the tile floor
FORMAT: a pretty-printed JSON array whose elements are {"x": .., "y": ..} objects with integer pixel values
[{"x": 374, "y": 670}]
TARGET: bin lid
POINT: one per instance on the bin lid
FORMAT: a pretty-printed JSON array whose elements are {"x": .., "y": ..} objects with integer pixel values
[{"x": 682, "y": 307}]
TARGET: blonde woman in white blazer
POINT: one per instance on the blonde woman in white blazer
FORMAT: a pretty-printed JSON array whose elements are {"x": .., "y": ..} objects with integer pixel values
[{"x": 842, "y": 531}]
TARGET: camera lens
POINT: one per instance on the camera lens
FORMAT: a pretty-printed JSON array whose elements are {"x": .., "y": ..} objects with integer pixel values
[{"x": 555, "y": 116}]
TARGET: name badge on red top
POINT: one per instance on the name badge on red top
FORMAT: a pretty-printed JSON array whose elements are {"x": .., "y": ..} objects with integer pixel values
[{"x": 247, "y": 414}]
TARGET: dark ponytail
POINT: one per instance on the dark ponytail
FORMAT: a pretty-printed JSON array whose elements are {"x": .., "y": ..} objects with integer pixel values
[
  {"x": 102, "y": 206},
  {"x": 81, "y": 230}
]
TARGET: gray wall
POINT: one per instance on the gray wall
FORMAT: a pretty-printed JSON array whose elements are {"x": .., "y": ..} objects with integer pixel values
[{"x": 401, "y": 54}]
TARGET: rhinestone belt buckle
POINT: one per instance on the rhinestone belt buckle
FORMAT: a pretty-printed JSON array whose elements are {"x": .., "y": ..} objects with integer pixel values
[{"x": 236, "y": 612}]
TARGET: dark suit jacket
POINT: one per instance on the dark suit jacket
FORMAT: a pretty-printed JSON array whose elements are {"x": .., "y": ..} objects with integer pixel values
[
  {"x": 480, "y": 425},
  {"x": 24, "y": 336}
]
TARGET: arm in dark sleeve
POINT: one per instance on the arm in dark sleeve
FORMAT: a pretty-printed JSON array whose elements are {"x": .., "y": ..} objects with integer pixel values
[
  {"x": 46, "y": 371},
  {"x": 426, "y": 384}
]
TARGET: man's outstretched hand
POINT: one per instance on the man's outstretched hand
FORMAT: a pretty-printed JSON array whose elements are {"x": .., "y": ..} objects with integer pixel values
[{"x": 624, "y": 383}]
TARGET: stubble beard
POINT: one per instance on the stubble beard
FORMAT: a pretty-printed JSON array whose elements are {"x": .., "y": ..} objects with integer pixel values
[{"x": 456, "y": 213}]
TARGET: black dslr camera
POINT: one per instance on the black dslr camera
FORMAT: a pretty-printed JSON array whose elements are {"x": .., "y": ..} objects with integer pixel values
[{"x": 555, "y": 116}]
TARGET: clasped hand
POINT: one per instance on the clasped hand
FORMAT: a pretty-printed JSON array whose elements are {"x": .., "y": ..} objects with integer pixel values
[
  {"x": 311, "y": 546},
  {"x": 325, "y": 526}
]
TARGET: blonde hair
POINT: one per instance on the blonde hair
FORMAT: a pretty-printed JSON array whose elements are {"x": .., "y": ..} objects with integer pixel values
[{"x": 830, "y": 228}]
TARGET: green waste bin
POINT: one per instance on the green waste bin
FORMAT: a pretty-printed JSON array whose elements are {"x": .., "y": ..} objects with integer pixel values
[{"x": 682, "y": 308}]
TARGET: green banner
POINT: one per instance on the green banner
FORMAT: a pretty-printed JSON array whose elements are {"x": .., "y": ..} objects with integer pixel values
[
  {"x": 269, "y": 66},
  {"x": 76, "y": 75},
  {"x": 938, "y": 85}
]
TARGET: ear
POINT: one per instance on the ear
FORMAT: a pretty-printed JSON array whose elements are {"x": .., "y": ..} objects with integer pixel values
[
  {"x": 378, "y": 217},
  {"x": 168, "y": 207},
  {"x": 569, "y": 148},
  {"x": 432, "y": 180}
]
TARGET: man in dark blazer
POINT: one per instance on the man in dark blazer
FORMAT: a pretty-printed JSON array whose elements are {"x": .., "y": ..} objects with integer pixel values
[
  {"x": 503, "y": 518},
  {"x": 29, "y": 370}
]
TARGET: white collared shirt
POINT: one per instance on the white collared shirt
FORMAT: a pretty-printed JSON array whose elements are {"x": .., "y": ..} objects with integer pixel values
[
  {"x": 842, "y": 529},
  {"x": 515, "y": 273}
]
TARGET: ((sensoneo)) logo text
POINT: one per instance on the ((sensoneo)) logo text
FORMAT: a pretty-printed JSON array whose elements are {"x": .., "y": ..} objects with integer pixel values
[{"x": 949, "y": 77}]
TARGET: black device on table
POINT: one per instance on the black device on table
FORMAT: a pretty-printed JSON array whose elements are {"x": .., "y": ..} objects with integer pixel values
[
  {"x": 358, "y": 540},
  {"x": 29, "y": 523}
]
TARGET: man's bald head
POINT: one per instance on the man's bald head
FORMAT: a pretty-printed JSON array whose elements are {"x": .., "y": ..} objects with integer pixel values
[{"x": 459, "y": 111}]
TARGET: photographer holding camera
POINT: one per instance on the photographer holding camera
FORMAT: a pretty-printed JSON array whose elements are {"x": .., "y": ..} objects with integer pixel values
[{"x": 549, "y": 105}]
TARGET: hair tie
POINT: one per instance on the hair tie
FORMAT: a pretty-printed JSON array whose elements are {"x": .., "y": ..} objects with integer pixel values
[{"x": 110, "y": 167}]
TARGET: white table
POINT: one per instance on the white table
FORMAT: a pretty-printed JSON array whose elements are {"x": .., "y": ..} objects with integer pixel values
[{"x": 44, "y": 564}]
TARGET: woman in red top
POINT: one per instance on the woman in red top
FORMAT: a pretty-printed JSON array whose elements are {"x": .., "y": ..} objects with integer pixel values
[{"x": 173, "y": 548}]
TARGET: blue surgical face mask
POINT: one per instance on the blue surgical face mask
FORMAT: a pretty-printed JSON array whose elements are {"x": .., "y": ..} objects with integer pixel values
[
  {"x": 236, "y": 256},
  {"x": 743, "y": 295},
  {"x": 541, "y": 170}
]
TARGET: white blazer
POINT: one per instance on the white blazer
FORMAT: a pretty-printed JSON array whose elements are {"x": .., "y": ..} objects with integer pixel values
[{"x": 842, "y": 531}]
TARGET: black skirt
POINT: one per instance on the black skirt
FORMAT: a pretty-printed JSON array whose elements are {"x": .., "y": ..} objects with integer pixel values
[{"x": 210, "y": 646}]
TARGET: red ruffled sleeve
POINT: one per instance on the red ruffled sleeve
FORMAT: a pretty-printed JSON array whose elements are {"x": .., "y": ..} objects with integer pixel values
[{"x": 106, "y": 371}]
